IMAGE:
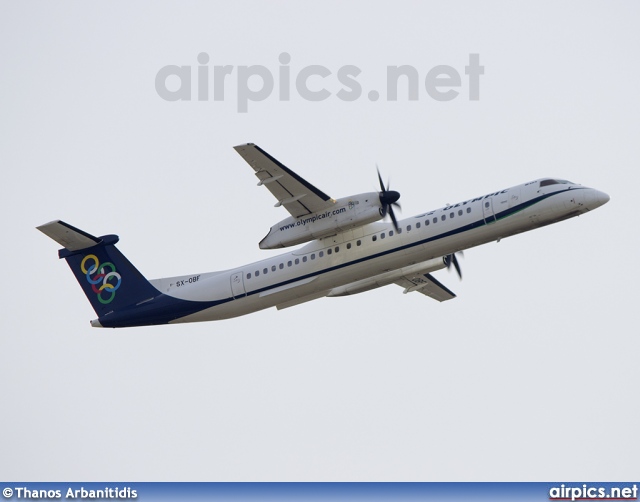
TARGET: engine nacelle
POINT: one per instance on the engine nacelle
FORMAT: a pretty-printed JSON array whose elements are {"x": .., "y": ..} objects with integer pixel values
[{"x": 346, "y": 213}]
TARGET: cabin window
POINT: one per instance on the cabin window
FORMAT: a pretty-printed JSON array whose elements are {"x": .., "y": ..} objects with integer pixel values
[
  {"x": 435, "y": 220},
  {"x": 418, "y": 225},
  {"x": 382, "y": 235},
  {"x": 348, "y": 245},
  {"x": 313, "y": 256},
  {"x": 460, "y": 212},
  {"x": 468, "y": 210},
  {"x": 399, "y": 230},
  {"x": 451, "y": 215},
  {"x": 273, "y": 268},
  {"x": 249, "y": 275},
  {"x": 390, "y": 233},
  {"x": 321, "y": 254},
  {"x": 374, "y": 238},
  {"x": 337, "y": 249},
  {"x": 265, "y": 270},
  {"x": 426, "y": 223},
  {"x": 358, "y": 243},
  {"x": 408, "y": 228},
  {"x": 257, "y": 273},
  {"x": 486, "y": 204},
  {"x": 304, "y": 259},
  {"x": 281, "y": 266},
  {"x": 289, "y": 263},
  {"x": 297, "y": 261},
  {"x": 443, "y": 217},
  {"x": 329, "y": 251}
]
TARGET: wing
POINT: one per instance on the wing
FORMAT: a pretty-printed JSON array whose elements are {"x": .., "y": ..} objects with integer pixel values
[
  {"x": 427, "y": 285},
  {"x": 297, "y": 195}
]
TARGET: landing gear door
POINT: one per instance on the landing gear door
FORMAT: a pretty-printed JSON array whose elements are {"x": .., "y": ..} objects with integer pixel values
[
  {"x": 237, "y": 285},
  {"x": 487, "y": 209}
]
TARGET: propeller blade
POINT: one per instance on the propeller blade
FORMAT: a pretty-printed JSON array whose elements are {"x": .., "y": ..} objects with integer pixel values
[
  {"x": 393, "y": 218},
  {"x": 388, "y": 199},
  {"x": 452, "y": 259},
  {"x": 457, "y": 266},
  {"x": 382, "y": 188}
]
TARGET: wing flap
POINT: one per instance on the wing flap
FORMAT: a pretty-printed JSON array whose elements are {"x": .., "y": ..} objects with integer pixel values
[
  {"x": 300, "y": 300},
  {"x": 297, "y": 195},
  {"x": 427, "y": 285},
  {"x": 280, "y": 289}
]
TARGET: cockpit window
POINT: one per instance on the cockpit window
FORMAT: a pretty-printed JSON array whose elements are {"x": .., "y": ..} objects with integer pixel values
[{"x": 545, "y": 183}]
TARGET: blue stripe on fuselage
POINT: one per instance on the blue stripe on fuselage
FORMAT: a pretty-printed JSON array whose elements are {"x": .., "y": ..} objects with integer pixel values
[{"x": 164, "y": 308}]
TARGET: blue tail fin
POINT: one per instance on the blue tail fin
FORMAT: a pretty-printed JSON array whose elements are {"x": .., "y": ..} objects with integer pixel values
[{"x": 109, "y": 280}]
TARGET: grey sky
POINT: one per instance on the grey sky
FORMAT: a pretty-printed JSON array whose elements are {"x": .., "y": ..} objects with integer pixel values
[{"x": 530, "y": 374}]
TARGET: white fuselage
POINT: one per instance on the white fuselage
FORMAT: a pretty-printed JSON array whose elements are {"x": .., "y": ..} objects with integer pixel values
[{"x": 335, "y": 265}]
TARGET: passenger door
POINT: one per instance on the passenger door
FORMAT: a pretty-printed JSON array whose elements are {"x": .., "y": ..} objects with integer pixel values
[
  {"x": 237, "y": 285},
  {"x": 487, "y": 210}
]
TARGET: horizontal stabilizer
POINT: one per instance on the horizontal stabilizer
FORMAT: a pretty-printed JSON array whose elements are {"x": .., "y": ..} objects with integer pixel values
[{"x": 67, "y": 236}]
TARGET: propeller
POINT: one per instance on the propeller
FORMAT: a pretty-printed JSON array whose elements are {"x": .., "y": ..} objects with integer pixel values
[
  {"x": 388, "y": 199},
  {"x": 451, "y": 259}
]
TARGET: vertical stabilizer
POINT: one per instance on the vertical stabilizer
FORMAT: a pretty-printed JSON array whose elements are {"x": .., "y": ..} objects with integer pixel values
[{"x": 109, "y": 280}]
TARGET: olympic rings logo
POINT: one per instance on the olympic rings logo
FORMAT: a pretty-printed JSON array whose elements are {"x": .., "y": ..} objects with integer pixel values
[{"x": 105, "y": 281}]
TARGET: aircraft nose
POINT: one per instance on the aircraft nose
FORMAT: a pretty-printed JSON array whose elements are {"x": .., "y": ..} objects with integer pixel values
[
  {"x": 601, "y": 197},
  {"x": 595, "y": 198}
]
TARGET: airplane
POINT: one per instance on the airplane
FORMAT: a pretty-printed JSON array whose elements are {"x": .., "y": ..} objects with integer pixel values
[{"x": 347, "y": 249}]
